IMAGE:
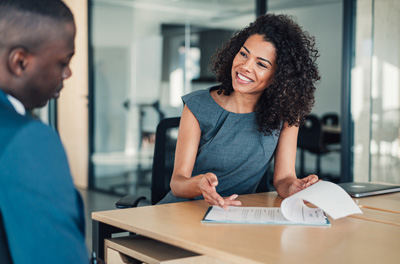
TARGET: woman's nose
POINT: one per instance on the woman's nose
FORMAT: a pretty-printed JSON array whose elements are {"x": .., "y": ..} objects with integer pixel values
[{"x": 247, "y": 65}]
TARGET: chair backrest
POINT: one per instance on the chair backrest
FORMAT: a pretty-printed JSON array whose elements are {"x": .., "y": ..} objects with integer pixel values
[
  {"x": 330, "y": 119},
  {"x": 263, "y": 185},
  {"x": 5, "y": 257},
  {"x": 309, "y": 137},
  {"x": 164, "y": 156}
]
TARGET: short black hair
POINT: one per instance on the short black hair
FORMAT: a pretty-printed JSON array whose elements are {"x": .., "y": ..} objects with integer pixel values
[
  {"x": 290, "y": 97},
  {"x": 30, "y": 23},
  {"x": 55, "y": 9}
]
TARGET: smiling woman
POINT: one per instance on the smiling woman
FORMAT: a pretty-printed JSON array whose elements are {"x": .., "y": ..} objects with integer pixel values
[
  {"x": 229, "y": 133},
  {"x": 291, "y": 94},
  {"x": 253, "y": 68}
]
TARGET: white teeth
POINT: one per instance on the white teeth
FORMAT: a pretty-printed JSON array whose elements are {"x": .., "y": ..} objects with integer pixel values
[{"x": 241, "y": 77}]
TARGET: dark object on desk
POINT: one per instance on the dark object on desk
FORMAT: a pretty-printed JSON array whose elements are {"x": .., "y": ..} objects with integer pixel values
[
  {"x": 5, "y": 256},
  {"x": 363, "y": 189},
  {"x": 163, "y": 164},
  {"x": 310, "y": 139}
]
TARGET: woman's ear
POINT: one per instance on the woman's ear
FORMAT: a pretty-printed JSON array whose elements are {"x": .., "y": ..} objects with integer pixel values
[{"x": 18, "y": 61}]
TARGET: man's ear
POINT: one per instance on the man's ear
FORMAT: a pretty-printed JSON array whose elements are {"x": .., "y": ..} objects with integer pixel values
[{"x": 18, "y": 61}]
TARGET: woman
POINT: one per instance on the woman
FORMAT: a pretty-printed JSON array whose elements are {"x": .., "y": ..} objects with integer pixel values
[{"x": 228, "y": 134}]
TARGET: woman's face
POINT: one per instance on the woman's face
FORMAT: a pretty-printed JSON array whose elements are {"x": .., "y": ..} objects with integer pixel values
[{"x": 253, "y": 66}]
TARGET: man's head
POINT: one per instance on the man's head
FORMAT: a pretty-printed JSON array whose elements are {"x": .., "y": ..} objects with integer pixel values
[{"x": 36, "y": 46}]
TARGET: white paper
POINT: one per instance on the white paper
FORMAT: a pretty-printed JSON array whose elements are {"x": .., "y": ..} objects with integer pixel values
[
  {"x": 261, "y": 215},
  {"x": 245, "y": 214},
  {"x": 325, "y": 195}
]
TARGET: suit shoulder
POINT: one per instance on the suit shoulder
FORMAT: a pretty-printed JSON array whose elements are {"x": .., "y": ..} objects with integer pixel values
[{"x": 17, "y": 127}]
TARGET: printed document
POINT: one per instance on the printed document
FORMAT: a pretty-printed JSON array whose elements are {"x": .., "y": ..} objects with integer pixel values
[{"x": 328, "y": 198}]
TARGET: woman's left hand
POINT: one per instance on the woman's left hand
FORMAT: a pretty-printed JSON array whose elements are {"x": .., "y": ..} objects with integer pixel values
[{"x": 300, "y": 184}]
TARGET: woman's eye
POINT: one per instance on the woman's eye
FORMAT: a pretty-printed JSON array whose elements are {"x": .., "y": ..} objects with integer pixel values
[
  {"x": 262, "y": 65},
  {"x": 243, "y": 54}
]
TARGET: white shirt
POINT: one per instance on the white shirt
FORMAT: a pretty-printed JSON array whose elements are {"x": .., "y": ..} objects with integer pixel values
[{"x": 18, "y": 106}]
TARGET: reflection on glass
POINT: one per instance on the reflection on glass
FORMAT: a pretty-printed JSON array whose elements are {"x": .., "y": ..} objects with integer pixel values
[
  {"x": 146, "y": 55},
  {"x": 376, "y": 92}
]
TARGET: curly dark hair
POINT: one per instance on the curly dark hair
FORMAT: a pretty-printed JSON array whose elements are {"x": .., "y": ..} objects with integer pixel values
[{"x": 290, "y": 97}]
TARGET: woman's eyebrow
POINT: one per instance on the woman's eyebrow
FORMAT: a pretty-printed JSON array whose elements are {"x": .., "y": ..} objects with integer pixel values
[{"x": 257, "y": 57}]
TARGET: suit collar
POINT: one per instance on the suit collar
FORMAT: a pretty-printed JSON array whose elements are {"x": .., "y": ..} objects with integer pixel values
[
  {"x": 6, "y": 102},
  {"x": 18, "y": 106}
]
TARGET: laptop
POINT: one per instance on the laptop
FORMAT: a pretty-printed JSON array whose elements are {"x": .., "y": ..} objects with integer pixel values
[{"x": 363, "y": 189}]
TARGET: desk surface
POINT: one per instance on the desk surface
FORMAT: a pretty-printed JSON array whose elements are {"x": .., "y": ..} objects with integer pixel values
[
  {"x": 380, "y": 208},
  {"x": 390, "y": 202},
  {"x": 348, "y": 240}
]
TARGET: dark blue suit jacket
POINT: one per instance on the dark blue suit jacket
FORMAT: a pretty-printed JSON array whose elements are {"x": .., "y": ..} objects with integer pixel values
[{"x": 42, "y": 211}]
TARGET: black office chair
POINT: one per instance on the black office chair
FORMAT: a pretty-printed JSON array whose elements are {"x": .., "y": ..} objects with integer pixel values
[
  {"x": 309, "y": 139},
  {"x": 5, "y": 256},
  {"x": 163, "y": 164},
  {"x": 330, "y": 119},
  {"x": 328, "y": 138},
  {"x": 164, "y": 158}
]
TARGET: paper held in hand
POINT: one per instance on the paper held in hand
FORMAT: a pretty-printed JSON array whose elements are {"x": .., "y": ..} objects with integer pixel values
[{"x": 326, "y": 196}]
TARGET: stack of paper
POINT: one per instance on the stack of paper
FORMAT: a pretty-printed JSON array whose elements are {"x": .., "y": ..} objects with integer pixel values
[{"x": 328, "y": 197}]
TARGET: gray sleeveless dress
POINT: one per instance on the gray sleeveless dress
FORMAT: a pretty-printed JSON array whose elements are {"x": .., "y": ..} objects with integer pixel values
[{"x": 231, "y": 147}]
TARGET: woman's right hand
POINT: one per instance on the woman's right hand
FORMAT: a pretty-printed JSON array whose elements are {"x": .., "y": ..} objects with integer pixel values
[{"x": 207, "y": 185}]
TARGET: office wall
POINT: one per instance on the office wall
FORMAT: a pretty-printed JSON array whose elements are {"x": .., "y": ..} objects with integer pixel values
[{"x": 73, "y": 103}]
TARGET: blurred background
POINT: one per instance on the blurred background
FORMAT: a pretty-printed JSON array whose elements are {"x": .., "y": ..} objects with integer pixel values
[{"x": 136, "y": 58}]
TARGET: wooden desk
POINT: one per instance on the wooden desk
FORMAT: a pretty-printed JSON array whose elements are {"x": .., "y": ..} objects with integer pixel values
[
  {"x": 383, "y": 208},
  {"x": 389, "y": 202},
  {"x": 348, "y": 240}
]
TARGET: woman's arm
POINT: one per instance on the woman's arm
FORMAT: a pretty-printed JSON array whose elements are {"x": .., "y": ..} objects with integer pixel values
[
  {"x": 182, "y": 184},
  {"x": 285, "y": 179}
]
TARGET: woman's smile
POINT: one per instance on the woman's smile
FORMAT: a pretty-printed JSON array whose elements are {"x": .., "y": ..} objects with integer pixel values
[{"x": 243, "y": 79}]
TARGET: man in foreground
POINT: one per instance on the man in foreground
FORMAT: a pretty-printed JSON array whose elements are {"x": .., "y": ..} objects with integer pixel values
[{"x": 41, "y": 210}]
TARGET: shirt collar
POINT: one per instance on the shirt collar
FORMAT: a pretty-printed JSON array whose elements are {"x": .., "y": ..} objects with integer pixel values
[{"x": 18, "y": 106}]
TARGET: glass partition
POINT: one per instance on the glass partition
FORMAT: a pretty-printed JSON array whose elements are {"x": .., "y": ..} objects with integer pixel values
[
  {"x": 147, "y": 53},
  {"x": 376, "y": 91},
  {"x": 145, "y": 56}
]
